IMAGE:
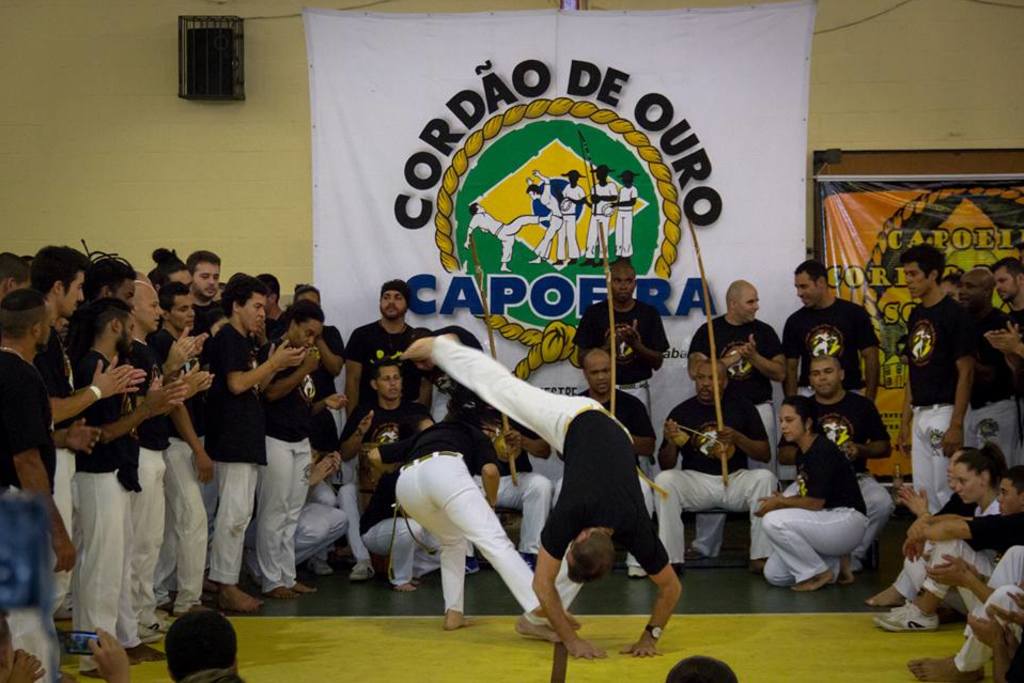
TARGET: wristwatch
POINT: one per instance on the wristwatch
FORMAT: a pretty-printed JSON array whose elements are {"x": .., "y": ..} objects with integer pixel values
[{"x": 655, "y": 631}]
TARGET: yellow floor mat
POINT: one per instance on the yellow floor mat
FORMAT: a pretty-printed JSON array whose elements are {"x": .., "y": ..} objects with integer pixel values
[{"x": 761, "y": 648}]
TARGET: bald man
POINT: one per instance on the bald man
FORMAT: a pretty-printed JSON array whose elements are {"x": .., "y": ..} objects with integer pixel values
[
  {"x": 993, "y": 412},
  {"x": 751, "y": 353}
]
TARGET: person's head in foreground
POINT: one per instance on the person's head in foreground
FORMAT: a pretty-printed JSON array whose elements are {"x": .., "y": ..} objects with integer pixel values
[
  {"x": 797, "y": 422},
  {"x": 591, "y": 555},
  {"x": 701, "y": 670},
  {"x": 201, "y": 642},
  {"x": 977, "y": 472}
]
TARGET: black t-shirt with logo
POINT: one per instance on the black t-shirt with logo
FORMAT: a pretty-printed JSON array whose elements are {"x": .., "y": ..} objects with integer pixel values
[
  {"x": 631, "y": 412},
  {"x": 161, "y": 341},
  {"x": 324, "y": 433},
  {"x": 841, "y": 330},
  {"x": 289, "y": 418},
  {"x": 854, "y": 419},
  {"x": 1000, "y": 387},
  {"x": 371, "y": 343},
  {"x": 120, "y": 455},
  {"x": 457, "y": 437},
  {"x": 937, "y": 337},
  {"x": 25, "y": 418},
  {"x": 745, "y": 380},
  {"x": 593, "y": 332},
  {"x": 737, "y": 413},
  {"x": 388, "y": 425},
  {"x": 154, "y": 432},
  {"x": 235, "y": 424},
  {"x": 55, "y": 368},
  {"x": 824, "y": 472},
  {"x": 600, "y": 488}
]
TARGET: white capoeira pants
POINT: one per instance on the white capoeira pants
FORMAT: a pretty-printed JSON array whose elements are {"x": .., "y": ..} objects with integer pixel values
[
  {"x": 409, "y": 559},
  {"x": 690, "y": 490},
  {"x": 532, "y": 496},
  {"x": 624, "y": 232},
  {"x": 554, "y": 228},
  {"x": 996, "y": 423},
  {"x": 593, "y": 241},
  {"x": 1005, "y": 579},
  {"x": 147, "y": 514},
  {"x": 345, "y": 499},
  {"x": 568, "y": 246},
  {"x": 710, "y": 528},
  {"x": 804, "y": 543},
  {"x": 183, "y": 555},
  {"x": 440, "y": 494},
  {"x": 879, "y": 505},
  {"x": 63, "y": 476},
  {"x": 929, "y": 462},
  {"x": 545, "y": 413},
  {"x": 982, "y": 561},
  {"x": 236, "y": 488},
  {"x": 101, "y": 585},
  {"x": 283, "y": 485},
  {"x": 318, "y": 528}
]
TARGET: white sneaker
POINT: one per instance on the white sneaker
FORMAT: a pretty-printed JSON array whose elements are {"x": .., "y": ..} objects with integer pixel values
[
  {"x": 907, "y": 618},
  {"x": 319, "y": 567},
  {"x": 148, "y": 634},
  {"x": 636, "y": 573},
  {"x": 363, "y": 571}
]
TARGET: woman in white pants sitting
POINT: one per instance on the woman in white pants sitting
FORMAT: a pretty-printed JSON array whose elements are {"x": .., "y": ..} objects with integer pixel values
[
  {"x": 436, "y": 488},
  {"x": 810, "y": 532}
]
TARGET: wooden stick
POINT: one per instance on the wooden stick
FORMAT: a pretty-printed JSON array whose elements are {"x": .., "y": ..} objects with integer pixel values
[
  {"x": 560, "y": 663},
  {"x": 612, "y": 346},
  {"x": 479, "y": 277},
  {"x": 714, "y": 349}
]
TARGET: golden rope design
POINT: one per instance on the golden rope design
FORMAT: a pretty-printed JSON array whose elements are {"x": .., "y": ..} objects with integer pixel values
[{"x": 556, "y": 341}]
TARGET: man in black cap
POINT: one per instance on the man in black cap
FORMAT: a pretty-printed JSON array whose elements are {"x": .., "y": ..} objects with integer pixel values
[
  {"x": 624, "y": 216},
  {"x": 383, "y": 338},
  {"x": 602, "y": 204}
]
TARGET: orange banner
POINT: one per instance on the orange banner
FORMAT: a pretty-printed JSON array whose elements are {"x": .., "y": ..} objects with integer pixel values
[{"x": 865, "y": 226}]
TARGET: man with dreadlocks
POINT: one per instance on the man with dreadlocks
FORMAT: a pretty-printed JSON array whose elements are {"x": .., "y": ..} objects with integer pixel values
[
  {"x": 436, "y": 488},
  {"x": 109, "y": 275}
]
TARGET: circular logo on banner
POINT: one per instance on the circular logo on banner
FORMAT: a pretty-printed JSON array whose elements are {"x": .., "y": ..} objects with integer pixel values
[{"x": 537, "y": 189}]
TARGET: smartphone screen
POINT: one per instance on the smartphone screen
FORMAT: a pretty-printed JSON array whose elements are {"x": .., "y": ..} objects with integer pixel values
[{"x": 77, "y": 642}]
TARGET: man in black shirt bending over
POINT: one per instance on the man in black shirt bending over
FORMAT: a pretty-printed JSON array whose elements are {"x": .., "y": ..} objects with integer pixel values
[
  {"x": 600, "y": 498},
  {"x": 828, "y": 326}
]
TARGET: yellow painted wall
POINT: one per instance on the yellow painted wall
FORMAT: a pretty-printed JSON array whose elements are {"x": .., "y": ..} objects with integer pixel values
[{"x": 95, "y": 143}]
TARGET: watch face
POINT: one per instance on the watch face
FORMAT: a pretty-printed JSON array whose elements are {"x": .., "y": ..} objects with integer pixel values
[{"x": 655, "y": 632}]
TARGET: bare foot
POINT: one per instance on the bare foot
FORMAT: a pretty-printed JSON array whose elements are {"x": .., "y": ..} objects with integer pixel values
[
  {"x": 814, "y": 583},
  {"x": 455, "y": 620},
  {"x": 192, "y": 610},
  {"x": 302, "y": 588},
  {"x": 538, "y": 631},
  {"x": 941, "y": 670},
  {"x": 234, "y": 599},
  {"x": 405, "y": 587},
  {"x": 846, "y": 576},
  {"x": 281, "y": 593},
  {"x": 144, "y": 653},
  {"x": 757, "y": 566},
  {"x": 890, "y": 597}
]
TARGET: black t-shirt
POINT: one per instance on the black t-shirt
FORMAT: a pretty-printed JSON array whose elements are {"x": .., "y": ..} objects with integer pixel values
[
  {"x": 235, "y": 425},
  {"x": 854, "y": 419},
  {"x": 55, "y": 368},
  {"x": 475, "y": 446},
  {"x": 289, "y": 418},
  {"x": 996, "y": 532},
  {"x": 937, "y": 337},
  {"x": 370, "y": 343},
  {"x": 275, "y": 327},
  {"x": 631, "y": 412},
  {"x": 745, "y": 381},
  {"x": 388, "y": 425},
  {"x": 161, "y": 341},
  {"x": 1000, "y": 387},
  {"x": 593, "y": 332},
  {"x": 380, "y": 506},
  {"x": 203, "y": 314},
  {"x": 25, "y": 418},
  {"x": 120, "y": 455},
  {"x": 841, "y": 330},
  {"x": 600, "y": 488},
  {"x": 154, "y": 432},
  {"x": 824, "y": 472},
  {"x": 737, "y": 413},
  {"x": 324, "y": 433},
  {"x": 523, "y": 463},
  {"x": 956, "y": 506},
  {"x": 1015, "y": 674}
]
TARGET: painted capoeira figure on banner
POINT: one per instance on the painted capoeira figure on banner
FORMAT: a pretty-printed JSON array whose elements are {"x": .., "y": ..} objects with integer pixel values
[
  {"x": 505, "y": 232},
  {"x": 624, "y": 216},
  {"x": 572, "y": 197},
  {"x": 602, "y": 201},
  {"x": 555, "y": 218}
]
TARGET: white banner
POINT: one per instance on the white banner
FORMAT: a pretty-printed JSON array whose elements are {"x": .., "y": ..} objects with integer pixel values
[{"x": 424, "y": 125}]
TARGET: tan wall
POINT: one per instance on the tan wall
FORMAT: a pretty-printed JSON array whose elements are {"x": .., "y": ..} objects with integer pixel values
[{"x": 95, "y": 144}]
